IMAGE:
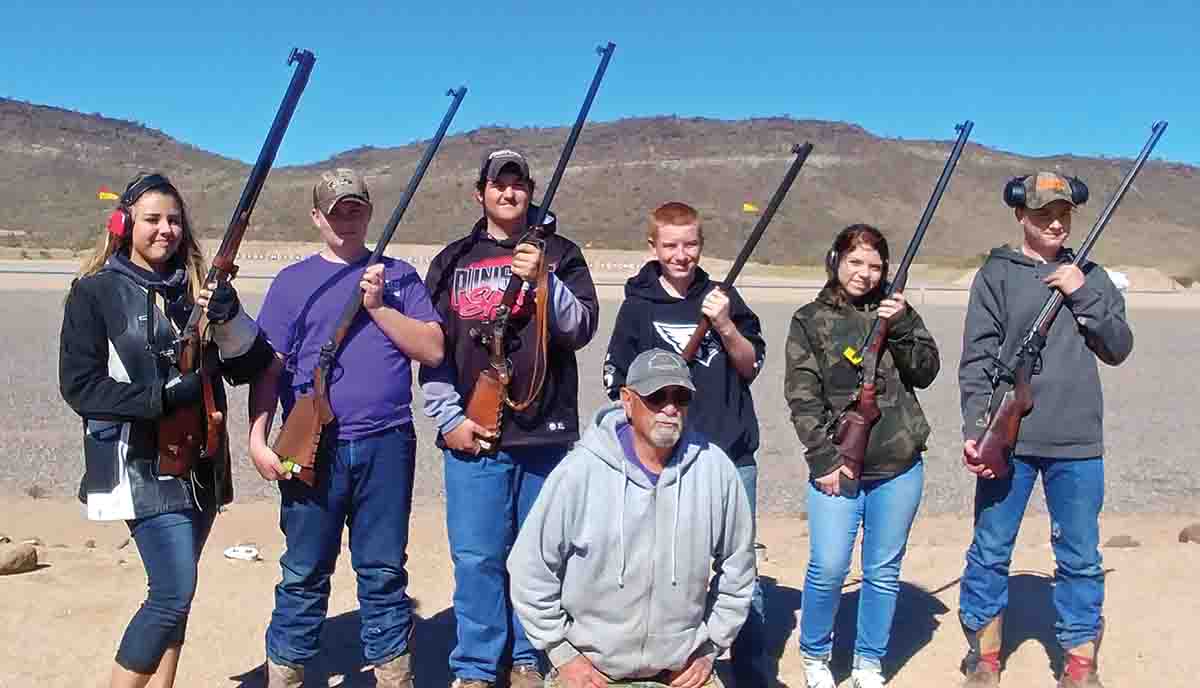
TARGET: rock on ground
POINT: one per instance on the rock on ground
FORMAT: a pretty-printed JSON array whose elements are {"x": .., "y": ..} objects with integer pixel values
[{"x": 17, "y": 559}]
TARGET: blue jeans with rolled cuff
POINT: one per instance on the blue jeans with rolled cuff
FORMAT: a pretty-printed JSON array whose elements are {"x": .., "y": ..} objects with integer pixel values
[
  {"x": 365, "y": 484},
  {"x": 170, "y": 546},
  {"x": 487, "y": 500},
  {"x": 1074, "y": 497},
  {"x": 885, "y": 510}
]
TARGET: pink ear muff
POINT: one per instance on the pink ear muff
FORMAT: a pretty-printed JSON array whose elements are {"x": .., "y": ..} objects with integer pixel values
[{"x": 118, "y": 222}]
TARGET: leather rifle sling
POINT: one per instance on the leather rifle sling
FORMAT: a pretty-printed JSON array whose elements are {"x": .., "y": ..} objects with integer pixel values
[{"x": 540, "y": 355}]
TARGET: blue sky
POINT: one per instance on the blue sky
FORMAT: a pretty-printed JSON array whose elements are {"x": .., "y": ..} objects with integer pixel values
[{"x": 1038, "y": 78}]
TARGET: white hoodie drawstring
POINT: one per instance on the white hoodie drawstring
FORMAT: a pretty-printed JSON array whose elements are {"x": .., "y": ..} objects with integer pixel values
[
  {"x": 675, "y": 526},
  {"x": 621, "y": 522}
]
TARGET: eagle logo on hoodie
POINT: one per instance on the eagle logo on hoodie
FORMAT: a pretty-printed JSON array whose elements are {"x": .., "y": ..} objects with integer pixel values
[{"x": 678, "y": 335}]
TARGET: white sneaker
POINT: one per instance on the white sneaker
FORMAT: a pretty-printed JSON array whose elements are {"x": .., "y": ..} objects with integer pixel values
[
  {"x": 817, "y": 673},
  {"x": 866, "y": 678}
]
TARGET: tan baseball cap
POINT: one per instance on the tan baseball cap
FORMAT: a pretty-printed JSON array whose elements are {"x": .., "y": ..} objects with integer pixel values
[{"x": 339, "y": 184}]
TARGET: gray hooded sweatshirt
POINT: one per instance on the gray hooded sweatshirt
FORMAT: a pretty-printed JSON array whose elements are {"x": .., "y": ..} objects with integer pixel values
[
  {"x": 635, "y": 576},
  {"x": 1068, "y": 412}
]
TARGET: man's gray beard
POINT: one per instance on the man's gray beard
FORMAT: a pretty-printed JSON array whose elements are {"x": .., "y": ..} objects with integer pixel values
[{"x": 664, "y": 436}]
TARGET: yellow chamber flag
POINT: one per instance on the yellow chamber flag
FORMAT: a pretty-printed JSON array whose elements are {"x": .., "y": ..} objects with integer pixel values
[
  {"x": 105, "y": 195},
  {"x": 749, "y": 208}
]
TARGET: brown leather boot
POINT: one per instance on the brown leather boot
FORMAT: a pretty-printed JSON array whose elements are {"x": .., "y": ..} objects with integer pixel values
[
  {"x": 1080, "y": 671},
  {"x": 395, "y": 673},
  {"x": 283, "y": 676},
  {"x": 525, "y": 676},
  {"x": 1082, "y": 663},
  {"x": 982, "y": 663}
]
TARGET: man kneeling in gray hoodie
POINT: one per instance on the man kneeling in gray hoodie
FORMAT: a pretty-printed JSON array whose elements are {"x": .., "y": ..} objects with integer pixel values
[{"x": 636, "y": 564}]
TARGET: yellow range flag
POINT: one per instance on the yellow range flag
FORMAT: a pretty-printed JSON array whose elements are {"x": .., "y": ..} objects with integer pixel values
[
  {"x": 749, "y": 208},
  {"x": 105, "y": 195}
]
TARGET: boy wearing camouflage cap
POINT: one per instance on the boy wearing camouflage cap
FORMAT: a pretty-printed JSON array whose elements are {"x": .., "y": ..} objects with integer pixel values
[
  {"x": 367, "y": 456},
  {"x": 1061, "y": 438}
]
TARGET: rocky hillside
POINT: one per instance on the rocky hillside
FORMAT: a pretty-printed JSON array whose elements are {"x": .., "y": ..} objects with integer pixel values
[{"x": 53, "y": 160}]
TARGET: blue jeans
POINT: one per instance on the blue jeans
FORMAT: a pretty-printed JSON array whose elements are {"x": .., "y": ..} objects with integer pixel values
[
  {"x": 1074, "y": 495},
  {"x": 487, "y": 500},
  {"x": 885, "y": 509},
  {"x": 748, "y": 655},
  {"x": 365, "y": 484},
  {"x": 169, "y": 545}
]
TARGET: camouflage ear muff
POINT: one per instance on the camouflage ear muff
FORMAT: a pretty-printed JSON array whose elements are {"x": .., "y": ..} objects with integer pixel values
[{"x": 120, "y": 222}]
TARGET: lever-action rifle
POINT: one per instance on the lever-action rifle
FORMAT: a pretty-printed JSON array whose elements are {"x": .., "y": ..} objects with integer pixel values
[
  {"x": 490, "y": 393},
  {"x": 801, "y": 153},
  {"x": 300, "y": 436},
  {"x": 851, "y": 431},
  {"x": 191, "y": 433},
  {"x": 1012, "y": 380}
]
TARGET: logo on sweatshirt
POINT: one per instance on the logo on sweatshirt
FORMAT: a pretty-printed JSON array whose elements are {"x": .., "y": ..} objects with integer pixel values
[
  {"x": 478, "y": 289},
  {"x": 678, "y": 335}
]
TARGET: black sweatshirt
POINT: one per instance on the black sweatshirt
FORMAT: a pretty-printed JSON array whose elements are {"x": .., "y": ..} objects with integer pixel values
[
  {"x": 466, "y": 282},
  {"x": 722, "y": 409}
]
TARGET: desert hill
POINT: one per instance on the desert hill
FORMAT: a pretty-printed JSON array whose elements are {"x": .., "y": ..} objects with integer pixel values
[{"x": 52, "y": 161}]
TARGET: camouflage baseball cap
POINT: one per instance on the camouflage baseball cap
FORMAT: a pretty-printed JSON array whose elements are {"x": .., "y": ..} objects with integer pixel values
[
  {"x": 495, "y": 162},
  {"x": 654, "y": 369},
  {"x": 1045, "y": 187},
  {"x": 336, "y": 185}
]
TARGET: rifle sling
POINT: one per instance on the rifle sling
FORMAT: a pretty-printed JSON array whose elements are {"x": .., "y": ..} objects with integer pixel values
[{"x": 540, "y": 356}]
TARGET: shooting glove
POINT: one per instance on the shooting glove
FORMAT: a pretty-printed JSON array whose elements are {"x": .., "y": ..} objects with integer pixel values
[
  {"x": 223, "y": 305},
  {"x": 182, "y": 390}
]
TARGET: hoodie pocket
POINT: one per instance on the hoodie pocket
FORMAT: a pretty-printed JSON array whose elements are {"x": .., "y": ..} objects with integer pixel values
[{"x": 102, "y": 455}]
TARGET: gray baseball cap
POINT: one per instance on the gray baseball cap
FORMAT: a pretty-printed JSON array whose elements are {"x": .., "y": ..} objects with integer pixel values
[
  {"x": 336, "y": 185},
  {"x": 495, "y": 162},
  {"x": 654, "y": 369}
]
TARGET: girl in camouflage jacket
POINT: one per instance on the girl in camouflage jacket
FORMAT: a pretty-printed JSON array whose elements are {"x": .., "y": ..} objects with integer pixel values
[{"x": 818, "y": 384}]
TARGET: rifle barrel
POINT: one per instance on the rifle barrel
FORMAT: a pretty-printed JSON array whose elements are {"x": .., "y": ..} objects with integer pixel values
[
  {"x": 1056, "y": 299},
  {"x": 514, "y": 282},
  {"x": 355, "y": 302},
  {"x": 258, "y": 174},
  {"x": 605, "y": 53},
  {"x": 801, "y": 152},
  {"x": 900, "y": 277}
]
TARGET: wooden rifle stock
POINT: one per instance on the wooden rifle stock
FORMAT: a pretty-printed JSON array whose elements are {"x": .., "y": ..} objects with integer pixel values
[
  {"x": 191, "y": 433},
  {"x": 300, "y": 436},
  {"x": 1012, "y": 401},
  {"x": 998, "y": 440},
  {"x": 852, "y": 428},
  {"x": 702, "y": 327}
]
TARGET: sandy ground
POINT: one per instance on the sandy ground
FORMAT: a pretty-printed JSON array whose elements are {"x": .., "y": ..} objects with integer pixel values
[{"x": 60, "y": 625}]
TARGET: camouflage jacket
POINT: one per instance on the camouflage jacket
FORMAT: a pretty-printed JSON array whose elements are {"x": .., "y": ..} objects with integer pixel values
[{"x": 819, "y": 382}]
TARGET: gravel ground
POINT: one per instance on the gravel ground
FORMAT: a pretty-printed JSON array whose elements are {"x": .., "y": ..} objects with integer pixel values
[{"x": 1147, "y": 472}]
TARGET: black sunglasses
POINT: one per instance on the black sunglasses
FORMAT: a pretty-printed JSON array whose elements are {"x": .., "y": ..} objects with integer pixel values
[{"x": 676, "y": 395}]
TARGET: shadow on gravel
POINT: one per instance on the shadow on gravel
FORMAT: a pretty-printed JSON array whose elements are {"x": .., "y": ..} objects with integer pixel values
[
  {"x": 782, "y": 604},
  {"x": 1030, "y": 615},
  {"x": 917, "y": 617},
  {"x": 341, "y": 654}
]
